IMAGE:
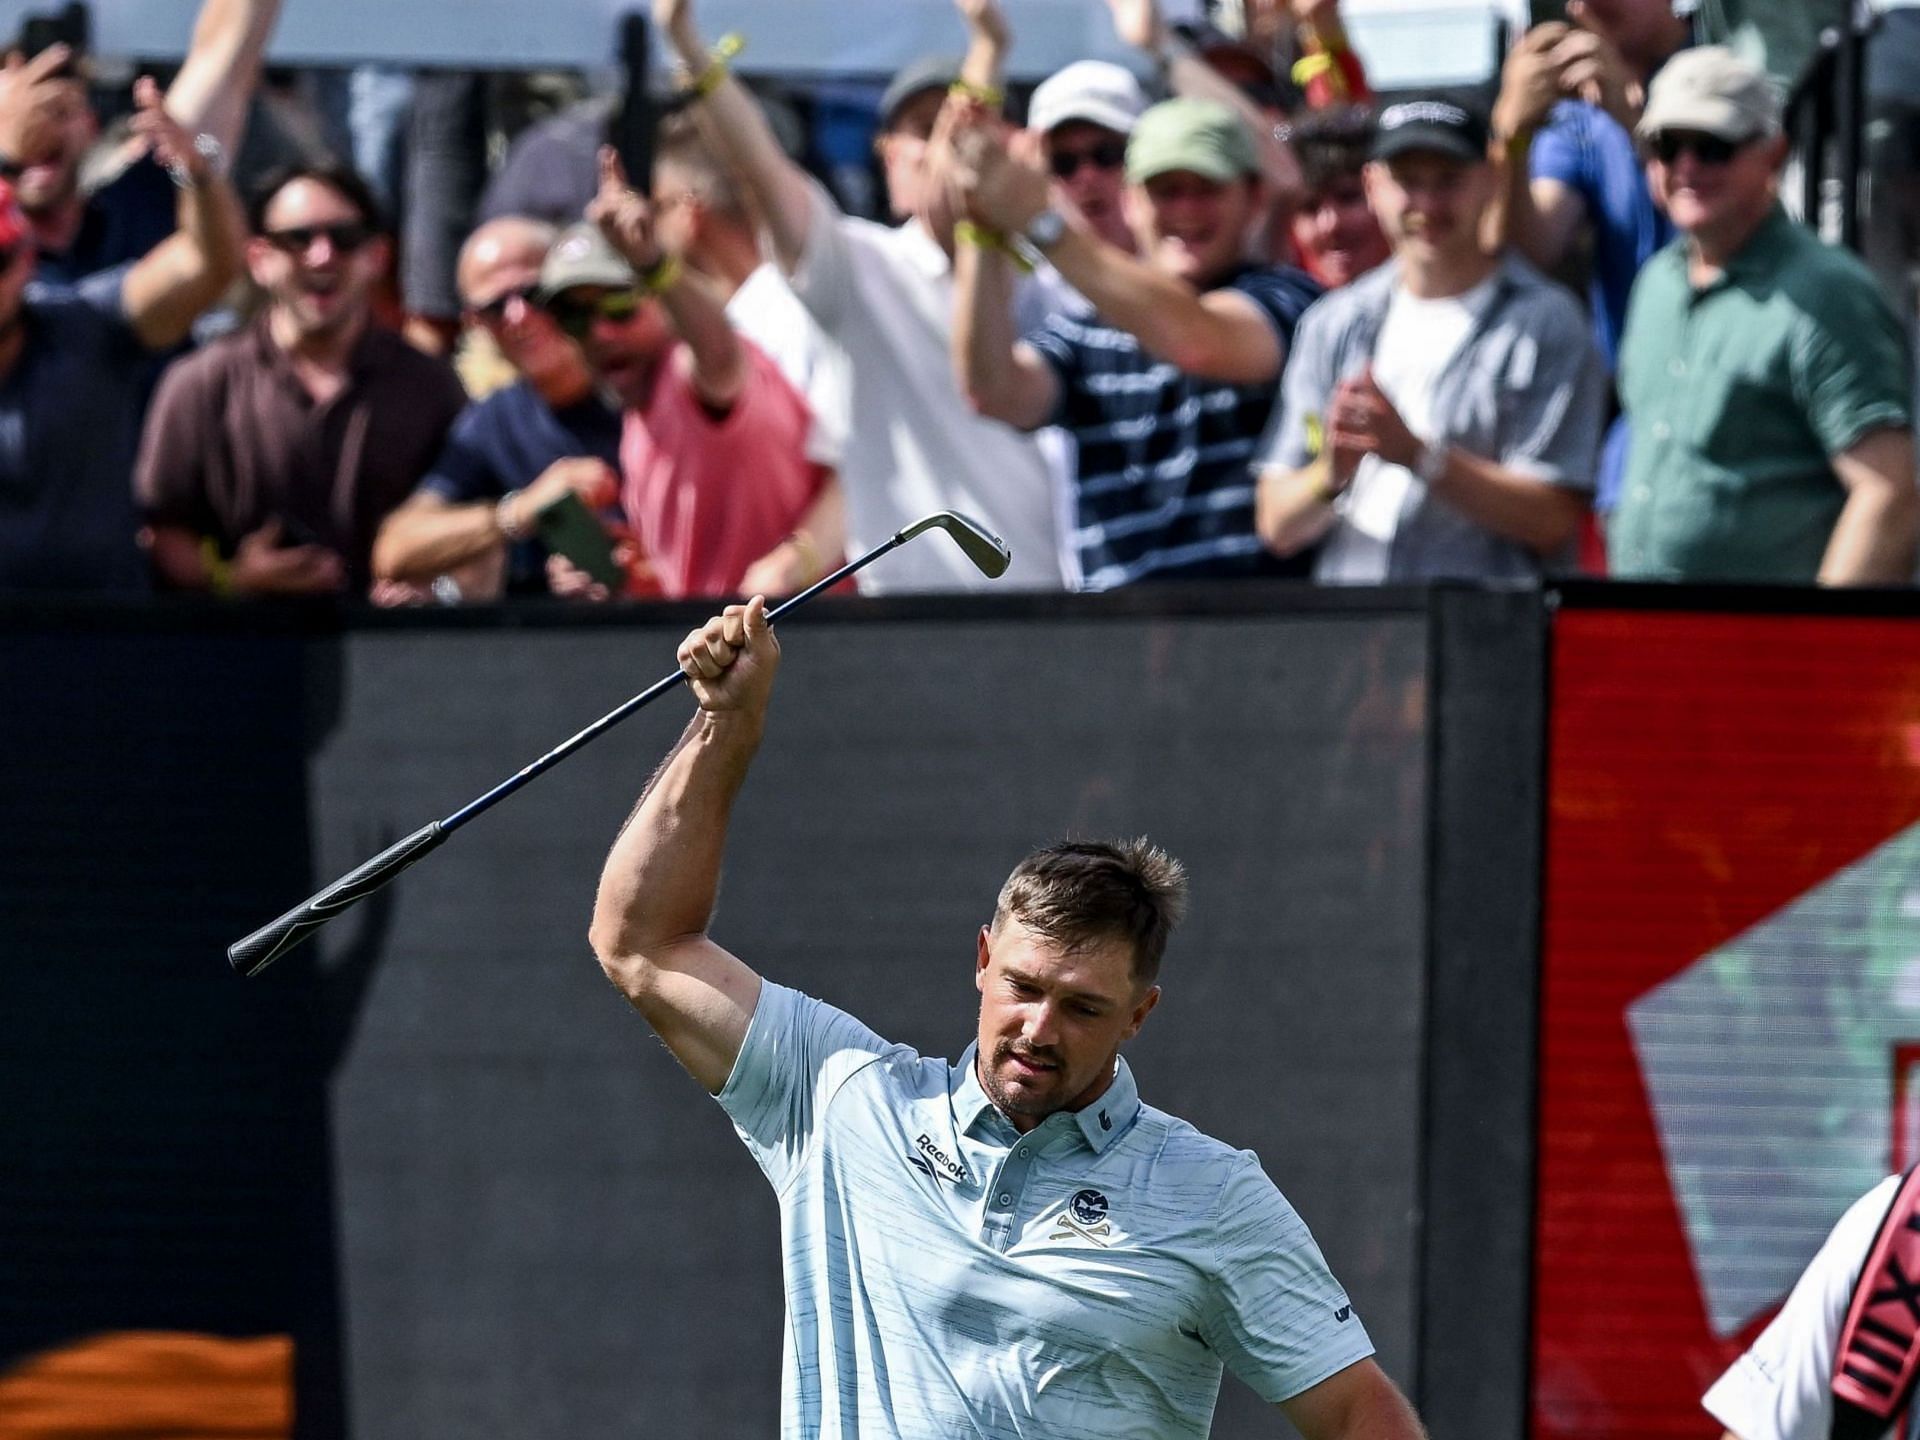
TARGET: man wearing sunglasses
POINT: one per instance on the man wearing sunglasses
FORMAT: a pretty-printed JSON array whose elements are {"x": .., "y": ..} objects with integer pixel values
[
  {"x": 271, "y": 456},
  {"x": 548, "y": 432},
  {"x": 715, "y": 471},
  {"x": 1084, "y": 113},
  {"x": 1766, "y": 380},
  {"x": 92, "y": 211},
  {"x": 1168, "y": 384},
  {"x": 74, "y": 363}
]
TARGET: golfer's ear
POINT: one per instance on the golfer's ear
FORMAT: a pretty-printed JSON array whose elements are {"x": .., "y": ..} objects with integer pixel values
[
  {"x": 1142, "y": 1010},
  {"x": 984, "y": 953}
]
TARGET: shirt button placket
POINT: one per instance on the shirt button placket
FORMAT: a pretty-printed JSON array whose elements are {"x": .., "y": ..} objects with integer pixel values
[{"x": 1008, "y": 1186}]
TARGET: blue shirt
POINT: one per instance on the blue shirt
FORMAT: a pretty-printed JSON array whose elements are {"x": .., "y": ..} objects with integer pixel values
[
  {"x": 1585, "y": 149},
  {"x": 123, "y": 220},
  {"x": 69, "y": 425},
  {"x": 947, "y": 1276},
  {"x": 504, "y": 441},
  {"x": 1163, "y": 487}
]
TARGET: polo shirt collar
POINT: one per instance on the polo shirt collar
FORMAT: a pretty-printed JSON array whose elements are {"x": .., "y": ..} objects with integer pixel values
[
  {"x": 1099, "y": 1124},
  {"x": 362, "y": 363},
  {"x": 1761, "y": 254}
]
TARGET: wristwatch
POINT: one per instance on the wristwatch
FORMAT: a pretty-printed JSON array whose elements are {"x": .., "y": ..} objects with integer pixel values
[
  {"x": 1043, "y": 232},
  {"x": 1432, "y": 463}
]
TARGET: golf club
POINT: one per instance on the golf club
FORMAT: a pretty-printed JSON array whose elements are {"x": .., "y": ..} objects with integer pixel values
[{"x": 250, "y": 956}]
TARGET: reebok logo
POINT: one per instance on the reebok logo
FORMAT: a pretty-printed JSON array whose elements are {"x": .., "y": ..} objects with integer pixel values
[{"x": 937, "y": 1163}]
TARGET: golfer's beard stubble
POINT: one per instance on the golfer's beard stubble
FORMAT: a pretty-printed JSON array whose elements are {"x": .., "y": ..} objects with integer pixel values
[{"x": 1022, "y": 1102}]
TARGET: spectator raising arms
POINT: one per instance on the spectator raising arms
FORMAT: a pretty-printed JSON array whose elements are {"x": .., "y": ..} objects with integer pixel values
[
  {"x": 1570, "y": 96},
  {"x": 271, "y": 457},
  {"x": 714, "y": 471},
  {"x": 1169, "y": 384},
  {"x": 885, "y": 296},
  {"x": 1766, "y": 379},
  {"x": 549, "y": 432},
  {"x": 73, "y": 363},
  {"x": 703, "y": 219},
  {"x": 48, "y": 126},
  {"x": 1439, "y": 416}
]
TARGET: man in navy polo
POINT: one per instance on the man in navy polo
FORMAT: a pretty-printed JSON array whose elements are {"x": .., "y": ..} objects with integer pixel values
[{"x": 1012, "y": 1245}]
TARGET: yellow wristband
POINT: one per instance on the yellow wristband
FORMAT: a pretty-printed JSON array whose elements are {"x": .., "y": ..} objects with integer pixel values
[
  {"x": 965, "y": 232},
  {"x": 219, "y": 569},
  {"x": 1309, "y": 68},
  {"x": 661, "y": 277},
  {"x": 719, "y": 61},
  {"x": 985, "y": 94}
]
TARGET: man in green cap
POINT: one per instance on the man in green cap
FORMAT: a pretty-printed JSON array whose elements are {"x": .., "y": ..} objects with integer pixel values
[{"x": 1169, "y": 384}]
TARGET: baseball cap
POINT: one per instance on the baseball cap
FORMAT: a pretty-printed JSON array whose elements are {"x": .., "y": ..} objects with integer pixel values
[
  {"x": 916, "y": 77},
  {"x": 583, "y": 256},
  {"x": 1430, "y": 122},
  {"x": 1203, "y": 136},
  {"x": 1714, "y": 91},
  {"x": 1096, "y": 91}
]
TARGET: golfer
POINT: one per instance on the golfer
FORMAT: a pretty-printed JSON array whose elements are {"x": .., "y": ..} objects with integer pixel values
[{"x": 1012, "y": 1245}]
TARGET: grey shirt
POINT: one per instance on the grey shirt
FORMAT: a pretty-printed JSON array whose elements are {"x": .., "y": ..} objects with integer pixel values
[{"x": 1526, "y": 390}]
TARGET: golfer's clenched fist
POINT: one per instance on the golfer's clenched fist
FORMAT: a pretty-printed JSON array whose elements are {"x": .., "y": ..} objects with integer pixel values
[{"x": 731, "y": 659}]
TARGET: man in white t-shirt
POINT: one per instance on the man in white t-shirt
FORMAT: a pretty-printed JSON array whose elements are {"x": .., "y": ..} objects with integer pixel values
[
  {"x": 1782, "y": 1388},
  {"x": 1439, "y": 416},
  {"x": 884, "y": 295}
]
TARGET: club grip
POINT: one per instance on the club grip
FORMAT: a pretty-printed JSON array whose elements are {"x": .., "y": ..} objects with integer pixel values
[{"x": 272, "y": 940}]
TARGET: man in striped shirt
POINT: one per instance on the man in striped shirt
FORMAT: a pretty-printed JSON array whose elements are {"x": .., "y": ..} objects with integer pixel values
[{"x": 1169, "y": 384}]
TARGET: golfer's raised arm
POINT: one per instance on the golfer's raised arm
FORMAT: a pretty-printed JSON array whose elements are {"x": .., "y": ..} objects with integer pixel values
[{"x": 657, "y": 890}]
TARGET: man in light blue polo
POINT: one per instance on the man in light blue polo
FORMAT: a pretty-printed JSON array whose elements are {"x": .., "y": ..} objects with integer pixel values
[{"x": 1013, "y": 1245}]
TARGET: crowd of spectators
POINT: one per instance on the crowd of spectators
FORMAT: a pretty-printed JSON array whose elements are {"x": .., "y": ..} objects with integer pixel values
[{"x": 1223, "y": 313}]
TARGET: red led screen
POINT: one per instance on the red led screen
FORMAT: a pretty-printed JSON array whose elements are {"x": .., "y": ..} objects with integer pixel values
[{"x": 1731, "y": 972}]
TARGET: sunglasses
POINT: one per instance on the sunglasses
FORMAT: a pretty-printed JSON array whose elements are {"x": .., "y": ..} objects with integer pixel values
[
  {"x": 1670, "y": 145},
  {"x": 345, "y": 237},
  {"x": 577, "y": 316},
  {"x": 1110, "y": 155},
  {"x": 495, "y": 310}
]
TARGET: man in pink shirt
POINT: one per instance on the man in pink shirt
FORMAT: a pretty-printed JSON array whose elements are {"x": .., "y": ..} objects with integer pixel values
[{"x": 714, "y": 471}]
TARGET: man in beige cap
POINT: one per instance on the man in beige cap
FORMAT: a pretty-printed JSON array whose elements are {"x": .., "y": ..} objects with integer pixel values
[
  {"x": 1765, "y": 379},
  {"x": 1169, "y": 384}
]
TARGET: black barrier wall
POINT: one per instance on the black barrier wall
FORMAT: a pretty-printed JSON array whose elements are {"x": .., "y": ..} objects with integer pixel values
[{"x": 475, "y": 1189}]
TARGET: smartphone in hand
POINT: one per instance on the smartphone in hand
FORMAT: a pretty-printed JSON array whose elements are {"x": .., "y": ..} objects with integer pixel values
[{"x": 567, "y": 527}]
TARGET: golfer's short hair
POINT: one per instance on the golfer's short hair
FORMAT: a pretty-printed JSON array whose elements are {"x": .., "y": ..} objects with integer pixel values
[
  {"x": 1081, "y": 892},
  {"x": 1332, "y": 145}
]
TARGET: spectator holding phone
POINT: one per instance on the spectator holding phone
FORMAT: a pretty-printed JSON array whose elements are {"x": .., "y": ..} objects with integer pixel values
[
  {"x": 73, "y": 362},
  {"x": 553, "y": 430},
  {"x": 271, "y": 457},
  {"x": 48, "y": 128}
]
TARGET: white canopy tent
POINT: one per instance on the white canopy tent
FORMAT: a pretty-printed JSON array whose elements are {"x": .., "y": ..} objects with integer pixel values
[{"x": 1405, "y": 42}]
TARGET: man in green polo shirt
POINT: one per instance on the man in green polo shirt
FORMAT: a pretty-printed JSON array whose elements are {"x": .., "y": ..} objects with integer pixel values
[{"x": 1766, "y": 380}]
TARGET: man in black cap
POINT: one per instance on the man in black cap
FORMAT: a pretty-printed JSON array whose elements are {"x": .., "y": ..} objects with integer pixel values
[{"x": 1439, "y": 416}]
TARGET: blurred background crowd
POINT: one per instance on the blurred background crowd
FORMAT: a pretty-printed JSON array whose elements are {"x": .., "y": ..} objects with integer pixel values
[{"x": 1279, "y": 296}]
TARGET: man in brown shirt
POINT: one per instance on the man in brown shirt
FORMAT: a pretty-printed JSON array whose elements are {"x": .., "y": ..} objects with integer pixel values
[{"x": 271, "y": 457}]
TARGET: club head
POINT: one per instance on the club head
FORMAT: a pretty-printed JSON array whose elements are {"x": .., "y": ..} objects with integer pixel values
[{"x": 985, "y": 549}]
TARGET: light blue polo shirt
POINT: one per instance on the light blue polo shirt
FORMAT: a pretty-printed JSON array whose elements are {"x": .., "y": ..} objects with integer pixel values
[{"x": 949, "y": 1277}]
